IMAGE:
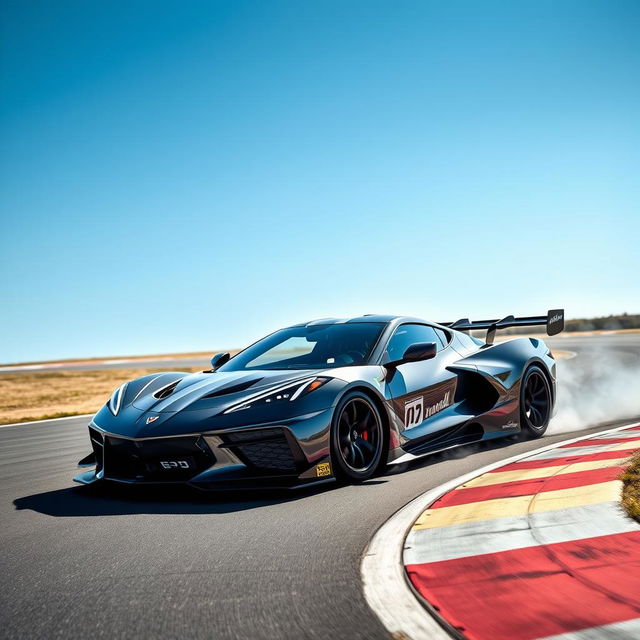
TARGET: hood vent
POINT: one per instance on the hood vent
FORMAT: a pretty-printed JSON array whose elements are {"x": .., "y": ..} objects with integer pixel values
[
  {"x": 232, "y": 389},
  {"x": 166, "y": 390}
]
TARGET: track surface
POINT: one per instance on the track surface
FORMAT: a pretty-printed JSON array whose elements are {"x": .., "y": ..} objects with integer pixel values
[{"x": 156, "y": 564}]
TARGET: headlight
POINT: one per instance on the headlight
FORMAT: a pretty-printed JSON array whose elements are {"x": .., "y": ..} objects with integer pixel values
[
  {"x": 115, "y": 401},
  {"x": 285, "y": 393}
]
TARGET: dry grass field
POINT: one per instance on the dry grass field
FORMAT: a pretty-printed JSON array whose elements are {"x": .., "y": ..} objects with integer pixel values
[{"x": 55, "y": 394}]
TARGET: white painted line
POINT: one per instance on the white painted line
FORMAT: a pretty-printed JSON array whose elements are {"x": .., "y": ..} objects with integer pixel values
[
  {"x": 22, "y": 424},
  {"x": 455, "y": 541},
  {"x": 386, "y": 587},
  {"x": 627, "y": 630}
]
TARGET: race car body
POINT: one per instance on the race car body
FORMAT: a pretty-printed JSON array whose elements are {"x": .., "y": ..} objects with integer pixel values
[{"x": 332, "y": 398}]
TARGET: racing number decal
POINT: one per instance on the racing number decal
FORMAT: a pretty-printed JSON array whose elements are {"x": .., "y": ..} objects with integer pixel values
[{"x": 413, "y": 411}]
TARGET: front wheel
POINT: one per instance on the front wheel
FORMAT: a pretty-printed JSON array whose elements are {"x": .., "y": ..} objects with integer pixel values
[
  {"x": 357, "y": 438},
  {"x": 535, "y": 402}
]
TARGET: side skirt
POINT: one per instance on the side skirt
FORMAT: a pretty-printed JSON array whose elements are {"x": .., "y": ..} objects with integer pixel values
[{"x": 408, "y": 457}]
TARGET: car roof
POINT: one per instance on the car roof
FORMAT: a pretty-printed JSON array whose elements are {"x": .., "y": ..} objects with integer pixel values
[{"x": 369, "y": 317}]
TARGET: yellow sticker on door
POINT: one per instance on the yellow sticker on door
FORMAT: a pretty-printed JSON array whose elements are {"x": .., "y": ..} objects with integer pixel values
[{"x": 323, "y": 469}]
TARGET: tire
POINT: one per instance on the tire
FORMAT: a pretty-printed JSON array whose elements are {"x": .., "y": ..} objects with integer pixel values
[
  {"x": 357, "y": 438},
  {"x": 535, "y": 402}
]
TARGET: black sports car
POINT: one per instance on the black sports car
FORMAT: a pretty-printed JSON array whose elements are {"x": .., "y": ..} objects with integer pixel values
[{"x": 326, "y": 399}]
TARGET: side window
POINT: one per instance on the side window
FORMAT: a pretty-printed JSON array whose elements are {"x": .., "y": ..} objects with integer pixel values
[
  {"x": 406, "y": 335},
  {"x": 445, "y": 337}
]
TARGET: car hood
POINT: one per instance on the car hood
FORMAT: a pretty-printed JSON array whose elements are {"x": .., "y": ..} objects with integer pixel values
[
  {"x": 208, "y": 390},
  {"x": 175, "y": 403}
]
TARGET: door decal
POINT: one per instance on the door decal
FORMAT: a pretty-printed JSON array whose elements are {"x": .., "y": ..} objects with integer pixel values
[
  {"x": 415, "y": 408},
  {"x": 438, "y": 406},
  {"x": 413, "y": 412}
]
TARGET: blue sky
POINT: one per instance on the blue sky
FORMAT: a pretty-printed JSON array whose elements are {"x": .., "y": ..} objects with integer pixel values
[{"x": 185, "y": 176}]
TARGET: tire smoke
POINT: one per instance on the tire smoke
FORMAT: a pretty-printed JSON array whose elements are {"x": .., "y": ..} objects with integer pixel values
[{"x": 595, "y": 387}]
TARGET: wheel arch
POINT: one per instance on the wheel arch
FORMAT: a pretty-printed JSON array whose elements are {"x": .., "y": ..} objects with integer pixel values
[
  {"x": 538, "y": 362},
  {"x": 381, "y": 406},
  {"x": 534, "y": 430}
]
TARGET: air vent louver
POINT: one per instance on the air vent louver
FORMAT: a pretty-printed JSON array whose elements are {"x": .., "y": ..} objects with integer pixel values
[
  {"x": 166, "y": 390},
  {"x": 241, "y": 386}
]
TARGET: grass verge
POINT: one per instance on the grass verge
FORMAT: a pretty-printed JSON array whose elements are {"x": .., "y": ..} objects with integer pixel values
[
  {"x": 56, "y": 394},
  {"x": 631, "y": 487}
]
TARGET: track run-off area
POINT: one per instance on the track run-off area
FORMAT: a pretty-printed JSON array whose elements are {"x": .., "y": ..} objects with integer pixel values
[{"x": 121, "y": 562}]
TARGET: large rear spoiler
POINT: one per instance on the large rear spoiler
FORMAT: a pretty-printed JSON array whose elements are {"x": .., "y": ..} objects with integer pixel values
[{"x": 554, "y": 321}]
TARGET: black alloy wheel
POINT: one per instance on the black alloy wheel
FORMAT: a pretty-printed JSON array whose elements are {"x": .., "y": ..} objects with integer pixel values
[
  {"x": 357, "y": 438},
  {"x": 535, "y": 402}
]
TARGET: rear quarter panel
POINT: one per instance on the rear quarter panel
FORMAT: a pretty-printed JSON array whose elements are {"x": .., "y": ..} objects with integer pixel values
[{"x": 502, "y": 365}]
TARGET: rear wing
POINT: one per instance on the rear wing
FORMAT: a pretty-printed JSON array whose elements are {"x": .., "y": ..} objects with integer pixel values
[{"x": 554, "y": 321}]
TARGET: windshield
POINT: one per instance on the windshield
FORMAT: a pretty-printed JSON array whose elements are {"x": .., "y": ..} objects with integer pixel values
[{"x": 311, "y": 347}]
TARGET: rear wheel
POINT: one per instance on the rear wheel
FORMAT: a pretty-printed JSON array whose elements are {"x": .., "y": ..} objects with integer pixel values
[
  {"x": 357, "y": 438},
  {"x": 535, "y": 402}
]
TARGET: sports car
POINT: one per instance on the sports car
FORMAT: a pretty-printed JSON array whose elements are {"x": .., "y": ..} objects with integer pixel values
[{"x": 324, "y": 400}]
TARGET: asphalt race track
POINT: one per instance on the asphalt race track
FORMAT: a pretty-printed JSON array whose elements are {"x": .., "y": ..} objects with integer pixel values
[{"x": 124, "y": 562}]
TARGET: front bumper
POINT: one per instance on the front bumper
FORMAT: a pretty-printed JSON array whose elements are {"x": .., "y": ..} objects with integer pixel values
[{"x": 284, "y": 455}]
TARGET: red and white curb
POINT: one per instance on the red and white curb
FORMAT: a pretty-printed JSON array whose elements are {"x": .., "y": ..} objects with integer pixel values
[{"x": 536, "y": 548}]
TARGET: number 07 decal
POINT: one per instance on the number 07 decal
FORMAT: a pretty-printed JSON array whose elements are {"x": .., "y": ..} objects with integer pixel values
[{"x": 413, "y": 412}]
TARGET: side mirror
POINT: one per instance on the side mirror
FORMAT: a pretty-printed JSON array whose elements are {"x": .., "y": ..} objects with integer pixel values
[
  {"x": 218, "y": 360},
  {"x": 416, "y": 352}
]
